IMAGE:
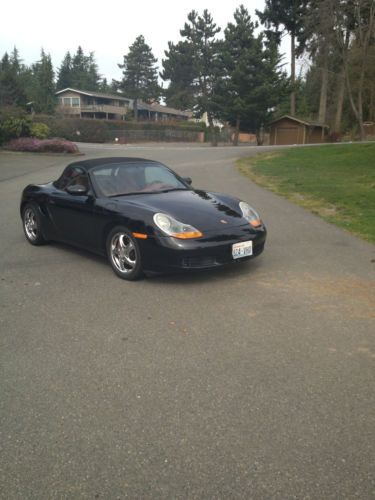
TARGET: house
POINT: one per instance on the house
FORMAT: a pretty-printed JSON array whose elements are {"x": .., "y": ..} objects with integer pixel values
[
  {"x": 291, "y": 130},
  {"x": 156, "y": 112},
  {"x": 88, "y": 104}
]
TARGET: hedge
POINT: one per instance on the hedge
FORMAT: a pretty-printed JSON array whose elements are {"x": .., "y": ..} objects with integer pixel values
[{"x": 96, "y": 130}]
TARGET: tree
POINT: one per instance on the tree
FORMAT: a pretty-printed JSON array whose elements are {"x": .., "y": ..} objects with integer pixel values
[
  {"x": 140, "y": 74},
  {"x": 199, "y": 33},
  {"x": 79, "y": 71},
  {"x": 43, "y": 92},
  {"x": 354, "y": 23},
  {"x": 252, "y": 81},
  {"x": 289, "y": 15},
  {"x": 12, "y": 88},
  {"x": 64, "y": 73},
  {"x": 178, "y": 68}
]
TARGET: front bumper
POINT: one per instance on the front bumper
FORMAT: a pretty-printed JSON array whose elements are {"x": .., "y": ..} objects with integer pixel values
[{"x": 214, "y": 249}]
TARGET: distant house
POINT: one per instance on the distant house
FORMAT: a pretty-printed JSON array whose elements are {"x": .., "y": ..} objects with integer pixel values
[
  {"x": 156, "y": 112},
  {"x": 87, "y": 104},
  {"x": 291, "y": 130}
]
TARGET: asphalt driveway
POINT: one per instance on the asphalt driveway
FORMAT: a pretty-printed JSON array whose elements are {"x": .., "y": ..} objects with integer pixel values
[{"x": 256, "y": 381}]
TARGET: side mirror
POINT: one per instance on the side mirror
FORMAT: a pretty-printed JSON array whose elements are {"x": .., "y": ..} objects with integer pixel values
[
  {"x": 77, "y": 189},
  {"x": 188, "y": 180}
]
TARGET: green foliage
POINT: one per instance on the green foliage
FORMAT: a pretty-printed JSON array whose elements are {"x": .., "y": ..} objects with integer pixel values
[
  {"x": 200, "y": 34},
  {"x": 14, "y": 123},
  {"x": 140, "y": 80},
  {"x": 252, "y": 82},
  {"x": 283, "y": 15},
  {"x": 39, "y": 130},
  {"x": 43, "y": 89},
  {"x": 90, "y": 130},
  {"x": 178, "y": 69},
  {"x": 12, "y": 88},
  {"x": 79, "y": 72},
  {"x": 336, "y": 182}
]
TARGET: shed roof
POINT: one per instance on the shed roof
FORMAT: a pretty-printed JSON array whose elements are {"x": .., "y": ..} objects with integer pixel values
[{"x": 299, "y": 120}]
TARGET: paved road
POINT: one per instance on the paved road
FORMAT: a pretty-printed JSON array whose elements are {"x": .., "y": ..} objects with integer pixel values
[{"x": 255, "y": 381}]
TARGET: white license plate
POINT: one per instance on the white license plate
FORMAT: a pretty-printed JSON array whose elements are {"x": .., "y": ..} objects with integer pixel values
[{"x": 242, "y": 249}]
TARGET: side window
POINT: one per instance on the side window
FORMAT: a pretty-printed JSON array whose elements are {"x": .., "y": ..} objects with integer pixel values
[{"x": 71, "y": 177}]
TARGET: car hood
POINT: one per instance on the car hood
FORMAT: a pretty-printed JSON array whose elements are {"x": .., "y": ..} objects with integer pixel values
[{"x": 201, "y": 209}]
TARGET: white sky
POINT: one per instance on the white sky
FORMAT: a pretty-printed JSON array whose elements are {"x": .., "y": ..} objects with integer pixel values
[{"x": 104, "y": 28}]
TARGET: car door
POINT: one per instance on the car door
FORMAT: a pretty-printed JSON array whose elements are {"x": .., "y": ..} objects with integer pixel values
[{"x": 73, "y": 214}]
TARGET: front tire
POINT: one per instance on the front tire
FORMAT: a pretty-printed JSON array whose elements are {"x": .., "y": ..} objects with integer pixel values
[
  {"x": 32, "y": 225},
  {"x": 124, "y": 254}
]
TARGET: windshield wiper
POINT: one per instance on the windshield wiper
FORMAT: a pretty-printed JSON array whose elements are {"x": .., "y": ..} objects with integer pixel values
[
  {"x": 171, "y": 189},
  {"x": 125, "y": 194}
]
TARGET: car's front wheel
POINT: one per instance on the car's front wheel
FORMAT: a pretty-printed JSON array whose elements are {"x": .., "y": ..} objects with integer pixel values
[
  {"x": 124, "y": 254},
  {"x": 32, "y": 225}
]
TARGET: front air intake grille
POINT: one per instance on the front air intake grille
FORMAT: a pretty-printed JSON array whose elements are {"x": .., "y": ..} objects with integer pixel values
[{"x": 197, "y": 262}]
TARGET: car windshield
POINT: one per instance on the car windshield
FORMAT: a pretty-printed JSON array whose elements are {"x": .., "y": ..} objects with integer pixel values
[{"x": 118, "y": 179}]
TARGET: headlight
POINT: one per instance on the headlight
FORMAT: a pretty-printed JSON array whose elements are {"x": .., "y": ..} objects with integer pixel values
[
  {"x": 250, "y": 214},
  {"x": 175, "y": 228}
]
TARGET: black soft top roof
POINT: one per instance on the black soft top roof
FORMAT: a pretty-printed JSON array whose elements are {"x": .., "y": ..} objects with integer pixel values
[{"x": 99, "y": 162}]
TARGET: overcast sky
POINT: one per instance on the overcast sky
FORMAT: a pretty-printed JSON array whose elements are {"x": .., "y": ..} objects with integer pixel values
[{"x": 106, "y": 28}]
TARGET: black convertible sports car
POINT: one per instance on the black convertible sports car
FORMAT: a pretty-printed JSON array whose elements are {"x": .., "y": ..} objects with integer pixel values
[{"x": 142, "y": 215}]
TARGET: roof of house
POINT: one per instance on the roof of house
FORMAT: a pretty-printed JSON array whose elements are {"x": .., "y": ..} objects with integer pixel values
[
  {"x": 95, "y": 94},
  {"x": 299, "y": 120},
  {"x": 159, "y": 108}
]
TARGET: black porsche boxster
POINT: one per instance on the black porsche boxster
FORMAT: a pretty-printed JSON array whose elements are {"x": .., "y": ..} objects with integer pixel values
[{"x": 143, "y": 216}]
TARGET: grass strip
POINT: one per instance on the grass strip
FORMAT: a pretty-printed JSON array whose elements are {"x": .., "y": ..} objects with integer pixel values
[{"x": 336, "y": 182}]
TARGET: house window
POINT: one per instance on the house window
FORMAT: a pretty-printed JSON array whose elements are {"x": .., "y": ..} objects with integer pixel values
[{"x": 71, "y": 102}]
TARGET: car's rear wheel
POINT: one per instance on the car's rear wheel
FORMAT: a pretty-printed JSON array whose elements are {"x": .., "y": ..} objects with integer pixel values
[
  {"x": 32, "y": 225},
  {"x": 124, "y": 254}
]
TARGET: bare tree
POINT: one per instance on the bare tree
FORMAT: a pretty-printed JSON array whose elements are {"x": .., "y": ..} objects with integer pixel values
[{"x": 354, "y": 24}]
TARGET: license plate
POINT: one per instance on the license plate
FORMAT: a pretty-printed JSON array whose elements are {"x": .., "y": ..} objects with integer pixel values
[{"x": 242, "y": 249}]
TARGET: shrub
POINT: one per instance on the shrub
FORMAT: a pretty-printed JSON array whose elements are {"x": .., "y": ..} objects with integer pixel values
[
  {"x": 39, "y": 130},
  {"x": 95, "y": 130},
  {"x": 13, "y": 123},
  {"x": 32, "y": 145}
]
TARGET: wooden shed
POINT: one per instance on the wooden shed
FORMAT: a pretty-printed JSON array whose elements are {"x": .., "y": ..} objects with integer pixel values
[{"x": 291, "y": 130}]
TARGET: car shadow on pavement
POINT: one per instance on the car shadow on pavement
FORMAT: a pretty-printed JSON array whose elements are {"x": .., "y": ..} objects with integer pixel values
[{"x": 191, "y": 277}]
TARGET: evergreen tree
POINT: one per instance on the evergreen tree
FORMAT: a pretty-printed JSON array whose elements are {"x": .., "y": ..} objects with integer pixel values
[
  {"x": 43, "y": 91},
  {"x": 288, "y": 16},
  {"x": 140, "y": 80},
  {"x": 178, "y": 68},
  {"x": 79, "y": 72},
  {"x": 199, "y": 33},
  {"x": 64, "y": 73},
  {"x": 12, "y": 88},
  {"x": 253, "y": 82}
]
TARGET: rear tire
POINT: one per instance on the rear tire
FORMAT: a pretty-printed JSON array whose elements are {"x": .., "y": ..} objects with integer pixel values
[
  {"x": 124, "y": 254},
  {"x": 32, "y": 224}
]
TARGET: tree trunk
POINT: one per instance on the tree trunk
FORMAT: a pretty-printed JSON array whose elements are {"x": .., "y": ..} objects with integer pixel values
[
  {"x": 340, "y": 102},
  {"x": 323, "y": 88},
  {"x": 212, "y": 129},
  {"x": 260, "y": 136},
  {"x": 371, "y": 111},
  {"x": 293, "y": 76},
  {"x": 135, "y": 109},
  {"x": 237, "y": 132}
]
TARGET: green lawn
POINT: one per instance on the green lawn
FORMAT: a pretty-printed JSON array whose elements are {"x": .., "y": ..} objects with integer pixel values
[{"x": 336, "y": 182}]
